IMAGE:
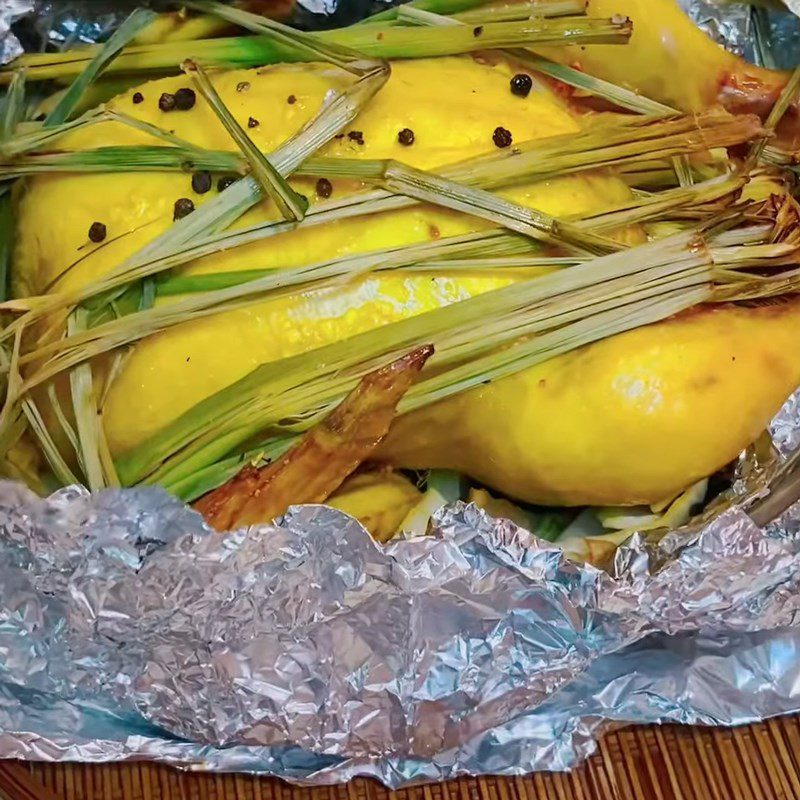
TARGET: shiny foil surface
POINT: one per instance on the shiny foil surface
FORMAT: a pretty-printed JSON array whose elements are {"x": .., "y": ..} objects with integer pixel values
[{"x": 303, "y": 649}]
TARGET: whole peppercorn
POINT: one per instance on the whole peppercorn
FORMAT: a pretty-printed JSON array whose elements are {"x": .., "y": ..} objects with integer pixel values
[
  {"x": 502, "y": 137},
  {"x": 324, "y": 188},
  {"x": 137, "y": 98},
  {"x": 252, "y": 122},
  {"x": 166, "y": 102},
  {"x": 185, "y": 99},
  {"x": 201, "y": 181},
  {"x": 406, "y": 137},
  {"x": 225, "y": 181},
  {"x": 476, "y": 32},
  {"x": 291, "y": 99},
  {"x": 521, "y": 85},
  {"x": 97, "y": 232},
  {"x": 182, "y": 208}
]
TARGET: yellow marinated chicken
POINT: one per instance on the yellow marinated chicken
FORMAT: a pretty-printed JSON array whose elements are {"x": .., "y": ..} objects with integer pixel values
[{"x": 635, "y": 418}]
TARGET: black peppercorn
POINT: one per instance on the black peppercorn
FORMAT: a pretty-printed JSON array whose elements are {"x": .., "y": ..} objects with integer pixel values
[
  {"x": 291, "y": 99},
  {"x": 201, "y": 181},
  {"x": 137, "y": 98},
  {"x": 521, "y": 85},
  {"x": 502, "y": 137},
  {"x": 477, "y": 31},
  {"x": 356, "y": 136},
  {"x": 225, "y": 181},
  {"x": 97, "y": 232},
  {"x": 182, "y": 208},
  {"x": 166, "y": 102},
  {"x": 324, "y": 188},
  {"x": 252, "y": 122},
  {"x": 242, "y": 86},
  {"x": 185, "y": 99},
  {"x": 406, "y": 137}
]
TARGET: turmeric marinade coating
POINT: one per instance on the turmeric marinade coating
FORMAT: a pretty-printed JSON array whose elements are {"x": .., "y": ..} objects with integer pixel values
[{"x": 635, "y": 418}]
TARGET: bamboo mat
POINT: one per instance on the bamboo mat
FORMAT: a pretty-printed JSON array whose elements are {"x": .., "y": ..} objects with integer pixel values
[{"x": 756, "y": 762}]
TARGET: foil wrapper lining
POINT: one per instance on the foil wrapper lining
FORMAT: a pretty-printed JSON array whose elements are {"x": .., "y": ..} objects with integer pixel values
[{"x": 302, "y": 649}]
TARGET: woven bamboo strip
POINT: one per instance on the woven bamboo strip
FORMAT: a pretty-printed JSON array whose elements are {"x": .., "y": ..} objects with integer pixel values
[{"x": 759, "y": 762}]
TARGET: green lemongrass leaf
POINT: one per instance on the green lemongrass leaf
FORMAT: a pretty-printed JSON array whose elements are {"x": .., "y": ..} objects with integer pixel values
[
  {"x": 61, "y": 418},
  {"x": 147, "y": 127},
  {"x": 137, "y": 158},
  {"x": 425, "y": 187},
  {"x": 434, "y": 6},
  {"x": 7, "y": 234},
  {"x": 13, "y": 105},
  {"x": 188, "y": 284},
  {"x": 291, "y": 204},
  {"x": 505, "y": 12},
  {"x": 787, "y": 97},
  {"x": 56, "y": 462},
  {"x": 39, "y": 138},
  {"x": 374, "y": 41},
  {"x": 683, "y": 171},
  {"x": 597, "y": 87},
  {"x": 107, "y": 52},
  {"x": 204, "y": 480},
  {"x": 85, "y": 410},
  {"x": 312, "y": 47}
]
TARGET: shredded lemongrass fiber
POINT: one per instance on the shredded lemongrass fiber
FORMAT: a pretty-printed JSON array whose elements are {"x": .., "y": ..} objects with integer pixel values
[
  {"x": 310, "y": 381},
  {"x": 626, "y": 141}
]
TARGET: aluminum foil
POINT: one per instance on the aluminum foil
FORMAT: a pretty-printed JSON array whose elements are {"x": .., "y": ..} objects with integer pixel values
[
  {"x": 303, "y": 649},
  {"x": 10, "y": 12}
]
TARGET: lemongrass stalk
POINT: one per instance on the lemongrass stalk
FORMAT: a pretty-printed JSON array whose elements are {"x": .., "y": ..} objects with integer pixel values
[
  {"x": 43, "y": 137},
  {"x": 7, "y": 232},
  {"x": 702, "y": 196},
  {"x": 373, "y": 41},
  {"x": 314, "y": 48},
  {"x": 505, "y": 12},
  {"x": 61, "y": 418},
  {"x": 104, "y": 56},
  {"x": 55, "y": 460},
  {"x": 85, "y": 410},
  {"x": 292, "y": 205},
  {"x": 139, "y": 158},
  {"x": 13, "y": 105},
  {"x": 787, "y": 97},
  {"x": 402, "y": 179}
]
